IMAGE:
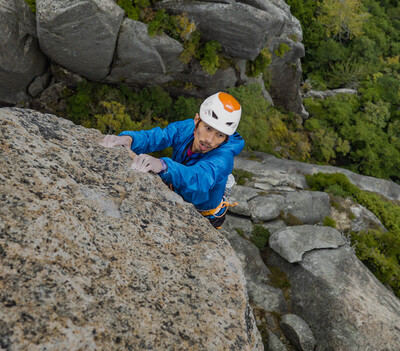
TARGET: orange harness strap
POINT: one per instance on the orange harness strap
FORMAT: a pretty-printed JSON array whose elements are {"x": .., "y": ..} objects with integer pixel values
[{"x": 224, "y": 204}]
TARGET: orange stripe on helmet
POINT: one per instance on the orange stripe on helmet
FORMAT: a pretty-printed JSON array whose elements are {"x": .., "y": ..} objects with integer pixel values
[{"x": 229, "y": 102}]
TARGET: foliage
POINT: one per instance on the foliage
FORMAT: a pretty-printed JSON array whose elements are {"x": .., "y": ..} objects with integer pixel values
[
  {"x": 32, "y": 5},
  {"x": 260, "y": 236},
  {"x": 260, "y": 64},
  {"x": 112, "y": 109},
  {"x": 378, "y": 250},
  {"x": 282, "y": 50},
  {"x": 241, "y": 176},
  {"x": 343, "y": 19},
  {"x": 356, "y": 131},
  {"x": 266, "y": 129},
  {"x": 329, "y": 222}
]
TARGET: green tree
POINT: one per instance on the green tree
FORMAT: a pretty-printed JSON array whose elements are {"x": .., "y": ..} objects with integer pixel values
[{"x": 343, "y": 19}]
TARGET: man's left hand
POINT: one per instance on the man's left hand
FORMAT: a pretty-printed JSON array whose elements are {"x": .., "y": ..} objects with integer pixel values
[{"x": 146, "y": 163}]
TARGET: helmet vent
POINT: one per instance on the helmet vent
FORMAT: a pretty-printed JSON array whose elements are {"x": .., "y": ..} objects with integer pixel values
[
  {"x": 214, "y": 115},
  {"x": 229, "y": 123}
]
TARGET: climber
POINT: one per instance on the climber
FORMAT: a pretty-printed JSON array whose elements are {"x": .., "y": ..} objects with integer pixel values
[{"x": 203, "y": 152}]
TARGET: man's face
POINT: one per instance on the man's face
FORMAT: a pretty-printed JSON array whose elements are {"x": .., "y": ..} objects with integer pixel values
[{"x": 206, "y": 138}]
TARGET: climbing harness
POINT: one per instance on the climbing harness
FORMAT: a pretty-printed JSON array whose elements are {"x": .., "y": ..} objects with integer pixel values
[{"x": 217, "y": 215}]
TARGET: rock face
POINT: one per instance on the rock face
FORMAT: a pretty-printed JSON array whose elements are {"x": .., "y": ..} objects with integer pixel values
[
  {"x": 142, "y": 60},
  {"x": 20, "y": 57},
  {"x": 95, "y": 39},
  {"x": 244, "y": 28},
  {"x": 80, "y": 35},
  {"x": 346, "y": 307},
  {"x": 95, "y": 256}
]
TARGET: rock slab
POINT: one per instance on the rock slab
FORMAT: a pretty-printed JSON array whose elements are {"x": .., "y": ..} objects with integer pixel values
[{"x": 96, "y": 256}]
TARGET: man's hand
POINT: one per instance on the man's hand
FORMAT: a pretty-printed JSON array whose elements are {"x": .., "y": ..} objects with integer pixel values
[
  {"x": 114, "y": 140},
  {"x": 146, "y": 163}
]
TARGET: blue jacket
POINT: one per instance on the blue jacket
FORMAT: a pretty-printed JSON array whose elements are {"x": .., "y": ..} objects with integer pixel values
[{"x": 199, "y": 179}]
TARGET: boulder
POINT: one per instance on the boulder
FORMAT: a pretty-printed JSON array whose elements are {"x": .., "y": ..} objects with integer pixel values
[
  {"x": 21, "y": 60},
  {"x": 95, "y": 256},
  {"x": 242, "y": 30},
  {"x": 309, "y": 207},
  {"x": 274, "y": 343},
  {"x": 80, "y": 35},
  {"x": 143, "y": 60},
  {"x": 241, "y": 195},
  {"x": 292, "y": 242},
  {"x": 346, "y": 307},
  {"x": 266, "y": 207},
  {"x": 298, "y": 332}
]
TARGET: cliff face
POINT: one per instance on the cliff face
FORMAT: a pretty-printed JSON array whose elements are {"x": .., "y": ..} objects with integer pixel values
[
  {"x": 95, "y": 256},
  {"x": 95, "y": 39}
]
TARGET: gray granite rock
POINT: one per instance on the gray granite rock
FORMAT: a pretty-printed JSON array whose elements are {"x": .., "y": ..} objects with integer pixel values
[
  {"x": 95, "y": 256},
  {"x": 241, "y": 195},
  {"x": 242, "y": 30},
  {"x": 238, "y": 223},
  {"x": 21, "y": 60},
  {"x": 298, "y": 332},
  {"x": 143, "y": 60},
  {"x": 384, "y": 187},
  {"x": 266, "y": 207},
  {"x": 80, "y": 35},
  {"x": 274, "y": 343},
  {"x": 257, "y": 274},
  {"x": 310, "y": 207},
  {"x": 292, "y": 242},
  {"x": 346, "y": 307}
]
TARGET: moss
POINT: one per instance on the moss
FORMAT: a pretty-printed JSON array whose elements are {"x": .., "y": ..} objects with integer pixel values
[
  {"x": 279, "y": 279},
  {"x": 241, "y": 176},
  {"x": 240, "y": 232},
  {"x": 289, "y": 219},
  {"x": 282, "y": 50},
  {"x": 260, "y": 236},
  {"x": 329, "y": 222}
]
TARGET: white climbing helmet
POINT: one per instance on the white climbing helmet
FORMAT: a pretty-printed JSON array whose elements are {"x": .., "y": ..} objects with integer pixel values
[{"x": 221, "y": 111}]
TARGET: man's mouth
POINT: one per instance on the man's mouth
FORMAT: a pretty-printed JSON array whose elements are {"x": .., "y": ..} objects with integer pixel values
[{"x": 204, "y": 146}]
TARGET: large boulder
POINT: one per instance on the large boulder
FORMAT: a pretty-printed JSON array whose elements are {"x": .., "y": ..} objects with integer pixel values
[
  {"x": 346, "y": 307},
  {"x": 20, "y": 57},
  {"x": 241, "y": 29},
  {"x": 96, "y": 256},
  {"x": 80, "y": 35},
  {"x": 143, "y": 60}
]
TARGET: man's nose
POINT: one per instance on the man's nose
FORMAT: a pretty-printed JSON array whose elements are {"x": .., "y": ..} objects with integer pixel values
[{"x": 209, "y": 138}]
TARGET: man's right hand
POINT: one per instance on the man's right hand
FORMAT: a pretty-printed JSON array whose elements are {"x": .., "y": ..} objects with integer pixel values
[{"x": 114, "y": 140}]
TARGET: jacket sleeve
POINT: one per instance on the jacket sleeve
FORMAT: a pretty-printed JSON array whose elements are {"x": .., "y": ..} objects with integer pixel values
[
  {"x": 155, "y": 139},
  {"x": 194, "y": 182}
]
